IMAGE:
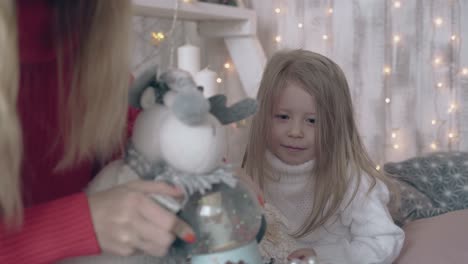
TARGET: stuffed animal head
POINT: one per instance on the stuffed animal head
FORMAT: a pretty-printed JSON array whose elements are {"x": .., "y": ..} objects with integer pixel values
[{"x": 178, "y": 125}]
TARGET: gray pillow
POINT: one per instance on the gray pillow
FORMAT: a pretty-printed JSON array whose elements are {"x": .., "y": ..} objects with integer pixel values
[
  {"x": 412, "y": 203},
  {"x": 442, "y": 177}
]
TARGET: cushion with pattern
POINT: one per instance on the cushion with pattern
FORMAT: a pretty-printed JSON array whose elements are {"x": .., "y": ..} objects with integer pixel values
[
  {"x": 442, "y": 177},
  {"x": 412, "y": 202}
]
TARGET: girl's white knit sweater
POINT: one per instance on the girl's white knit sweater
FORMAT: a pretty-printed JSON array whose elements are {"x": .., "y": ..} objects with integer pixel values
[{"x": 362, "y": 232}]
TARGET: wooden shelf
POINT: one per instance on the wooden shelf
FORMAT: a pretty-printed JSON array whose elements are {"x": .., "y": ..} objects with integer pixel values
[
  {"x": 196, "y": 11},
  {"x": 237, "y": 26}
]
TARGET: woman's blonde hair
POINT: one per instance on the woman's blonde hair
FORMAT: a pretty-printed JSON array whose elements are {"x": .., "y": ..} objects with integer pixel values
[
  {"x": 338, "y": 147},
  {"x": 97, "y": 34}
]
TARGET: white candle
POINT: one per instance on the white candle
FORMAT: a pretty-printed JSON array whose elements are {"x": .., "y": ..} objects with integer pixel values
[
  {"x": 188, "y": 58},
  {"x": 207, "y": 79}
]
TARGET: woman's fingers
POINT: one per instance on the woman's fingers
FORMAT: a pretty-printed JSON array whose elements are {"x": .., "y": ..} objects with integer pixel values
[
  {"x": 183, "y": 231},
  {"x": 158, "y": 216},
  {"x": 151, "y": 239},
  {"x": 155, "y": 187},
  {"x": 126, "y": 219}
]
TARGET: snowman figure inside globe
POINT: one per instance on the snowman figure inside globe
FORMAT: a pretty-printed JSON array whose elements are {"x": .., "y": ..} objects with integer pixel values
[{"x": 180, "y": 138}]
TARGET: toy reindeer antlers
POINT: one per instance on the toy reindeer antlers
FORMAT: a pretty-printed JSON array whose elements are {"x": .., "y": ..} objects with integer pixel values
[
  {"x": 238, "y": 111},
  {"x": 180, "y": 81}
]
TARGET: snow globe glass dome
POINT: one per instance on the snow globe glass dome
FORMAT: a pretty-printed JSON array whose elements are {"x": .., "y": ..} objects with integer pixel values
[{"x": 226, "y": 222}]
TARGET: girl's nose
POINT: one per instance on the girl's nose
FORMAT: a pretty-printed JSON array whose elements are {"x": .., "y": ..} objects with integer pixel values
[{"x": 296, "y": 129}]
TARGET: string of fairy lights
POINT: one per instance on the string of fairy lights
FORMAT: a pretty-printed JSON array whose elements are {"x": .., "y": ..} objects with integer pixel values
[
  {"x": 443, "y": 82},
  {"x": 444, "y": 122},
  {"x": 278, "y": 10}
]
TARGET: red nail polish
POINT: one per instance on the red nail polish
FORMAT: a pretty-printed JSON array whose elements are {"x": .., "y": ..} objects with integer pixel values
[
  {"x": 260, "y": 200},
  {"x": 190, "y": 238}
]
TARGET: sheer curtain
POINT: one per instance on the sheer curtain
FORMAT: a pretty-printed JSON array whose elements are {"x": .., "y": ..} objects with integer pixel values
[{"x": 406, "y": 62}]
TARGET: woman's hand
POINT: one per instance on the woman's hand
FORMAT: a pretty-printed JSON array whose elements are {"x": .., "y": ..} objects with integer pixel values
[
  {"x": 127, "y": 220},
  {"x": 302, "y": 254}
]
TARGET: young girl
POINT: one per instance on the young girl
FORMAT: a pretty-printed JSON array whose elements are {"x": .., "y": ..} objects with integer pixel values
[
  {"x": 64, "y": 77},
  {"x": 323, "y": 196}
]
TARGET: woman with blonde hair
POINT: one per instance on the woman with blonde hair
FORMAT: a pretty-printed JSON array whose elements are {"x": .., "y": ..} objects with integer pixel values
[
  {"x": 64, "y": 80},
  {"x": 323, "y": 196}
]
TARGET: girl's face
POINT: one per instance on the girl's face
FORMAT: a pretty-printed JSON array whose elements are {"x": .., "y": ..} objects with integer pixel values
[{"x": 293, "y": 126}]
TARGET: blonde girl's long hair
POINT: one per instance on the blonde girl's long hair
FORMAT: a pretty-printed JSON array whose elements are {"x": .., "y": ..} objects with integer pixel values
[
  {"x": 338, "y": 147},
  {"x": 95, "y": 106}
]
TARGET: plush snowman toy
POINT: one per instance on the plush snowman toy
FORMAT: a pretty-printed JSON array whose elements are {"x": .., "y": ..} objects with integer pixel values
[{"x": 180, "y": 138}]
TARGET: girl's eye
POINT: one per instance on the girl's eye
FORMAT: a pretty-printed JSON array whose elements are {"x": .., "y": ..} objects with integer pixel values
[
  {"x": 282, "y": 116},
  {"x": 311, "y": 120}
]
